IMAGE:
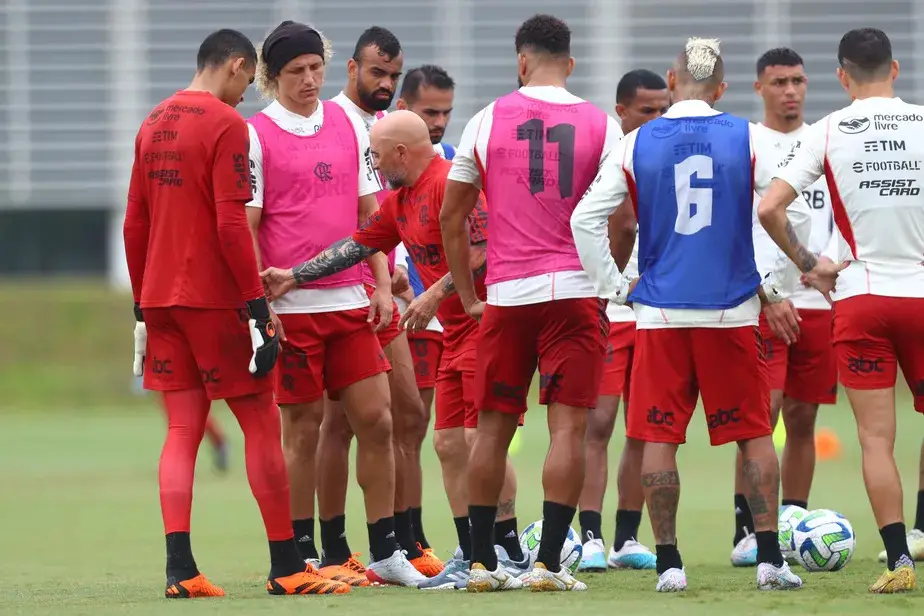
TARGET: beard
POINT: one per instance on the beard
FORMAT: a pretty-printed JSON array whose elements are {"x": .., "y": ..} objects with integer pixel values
[
  {"x": 436, "y": 137},
  {"x": 394, "y": 179},
  {"x": 369, "y": 99}
]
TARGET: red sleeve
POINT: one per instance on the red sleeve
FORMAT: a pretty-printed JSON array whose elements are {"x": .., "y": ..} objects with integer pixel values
[
  {"x": 231, "y": 185},
  {"x": 137, "y": 227},
  {"x": 380, "y": 231},
  {"x": 478, "y": 221}
]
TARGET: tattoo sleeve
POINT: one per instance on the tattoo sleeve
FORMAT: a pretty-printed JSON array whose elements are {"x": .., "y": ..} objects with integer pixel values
[
  {"x": 662, "y": 495},
  {"x": 341, "y": 255},
  {"x": 806, "y": 260},
  {"x": 479, "y": 264}
]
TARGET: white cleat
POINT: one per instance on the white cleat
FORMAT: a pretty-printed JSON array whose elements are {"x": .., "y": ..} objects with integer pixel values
[
  {"x": 396, "y": 570},
  {"x": 770, "y": 577},
  {"x": 672, "y": 580},
  {"x": 543, "y": 580},
  {"x": 482, "y": 580},
  {"x": 745, "y": 553},
  {"x": 632, "y": 555},
  {"x": 593, "y": 555},
  {"x": 915, "y": 546}
]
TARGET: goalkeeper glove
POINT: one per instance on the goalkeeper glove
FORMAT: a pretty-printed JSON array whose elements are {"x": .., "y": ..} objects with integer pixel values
[
  {"x": 141, "y": 342},
  {"x": 263, "y": 338}
]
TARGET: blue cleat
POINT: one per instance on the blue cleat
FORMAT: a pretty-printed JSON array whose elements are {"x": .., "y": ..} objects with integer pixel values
[{"x": 632, "y": 555}]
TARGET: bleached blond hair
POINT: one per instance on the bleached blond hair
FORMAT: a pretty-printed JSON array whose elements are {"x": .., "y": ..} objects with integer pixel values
[
  {"x": 265, "y": 84},
  {"x": 701, "y": 55}
]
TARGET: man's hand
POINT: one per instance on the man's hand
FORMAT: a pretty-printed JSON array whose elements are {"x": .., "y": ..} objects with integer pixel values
[
  {"x": 476, "y": 309},
  {"x": 400, "y": 281},
  {"x": 821, "y": 259},
  {"x": 381, "y": 307},
  {"x": 277, "y": 323},
  {"x": 263, "y": 337},
  {"x": 420, "y": 312},
  {"x": 824, "y": 276},
  {"x": 783, "y": 319},
  {"x": 277, "y": 282},
  {"x": 141, "y": 342}
]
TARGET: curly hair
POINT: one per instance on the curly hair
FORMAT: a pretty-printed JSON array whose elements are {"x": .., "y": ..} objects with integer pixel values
[{"x": 545, "y": 34}]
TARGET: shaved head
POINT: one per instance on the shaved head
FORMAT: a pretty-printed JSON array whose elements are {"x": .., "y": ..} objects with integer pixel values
[{"x": 401, "y": 147}]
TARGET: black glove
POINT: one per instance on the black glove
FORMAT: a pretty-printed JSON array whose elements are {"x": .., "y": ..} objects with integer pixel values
[{"x": 263, "y": 338}]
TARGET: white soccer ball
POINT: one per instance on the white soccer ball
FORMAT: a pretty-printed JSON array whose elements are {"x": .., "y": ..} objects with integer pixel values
[
  {"x": 570, "y": 552},
  {"x": 823, "y": 540},
  {"x": 790, "y": 516}
]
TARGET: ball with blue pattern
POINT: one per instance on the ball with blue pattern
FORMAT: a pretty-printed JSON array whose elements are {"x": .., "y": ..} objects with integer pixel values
[
  {"x": 571, "y": 551},
  {"x": 823, "y": 540}
]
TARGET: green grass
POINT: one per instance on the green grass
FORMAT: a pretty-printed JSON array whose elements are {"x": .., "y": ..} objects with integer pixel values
[{"x": 82, "y": 530}]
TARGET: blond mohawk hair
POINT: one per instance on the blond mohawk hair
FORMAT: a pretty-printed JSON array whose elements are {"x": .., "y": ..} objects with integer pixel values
[{"x": 701, "y": 56}]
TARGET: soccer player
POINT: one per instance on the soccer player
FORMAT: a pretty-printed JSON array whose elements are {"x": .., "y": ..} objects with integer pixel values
[
  {"x": 802, "y": 372},
  {"x": 312, "y": 184},
  {"x": 403, "y": 153},
  {"x": 916, "y": 534},
  {"x": 372, "y": 80},
  {"x": 535, "y": 151},
  {"x": 696, "y": 332},
  {"x": 428, "y": 91},
  {"x": 640, "y": 96},
  {"x": 204, "y": 330},
  {"x": 870, "y": 154}
]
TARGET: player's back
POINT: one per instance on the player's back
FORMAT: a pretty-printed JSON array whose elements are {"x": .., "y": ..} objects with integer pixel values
[
  {"x": 693, "y": 190},
  {"x": 541, "y": 157},
  {"x": 874, "y": 164},
  {"x": 177, "y": 149}
]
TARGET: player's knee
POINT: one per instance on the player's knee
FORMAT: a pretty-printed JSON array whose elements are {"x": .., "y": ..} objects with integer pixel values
[
  {"x": 373, "y": 424},
  {"x": 799, "y": 419},
  {"x": 600, "y": 425},
  {"x": 410, "y": 422},
  {"x": 300, "y": 430},
  {"x": 336, "y": 427},
  {"x": 451, "y": 446}
]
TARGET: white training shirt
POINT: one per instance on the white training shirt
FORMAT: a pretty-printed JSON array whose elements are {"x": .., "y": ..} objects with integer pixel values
[
  {"x": 773, "y": 145},
  {"x": 624, "y": 314},
  {"x": 871, "y": 154},
  {"x": 589, "y": 223},
  {"x": 307, "y": 301},
  {"x": 545, "y": 287}
]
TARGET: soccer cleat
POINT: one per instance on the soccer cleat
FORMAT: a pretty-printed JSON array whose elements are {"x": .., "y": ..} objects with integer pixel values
[
  {"x": 771, "y": 577},
  {"x": 307, "y": 582},
  {"x": 454, "y": 576},
  {"x": 396, "y": 570},
  {"x": 193, "y": 588},
  {"x": 745, "y": 553},
  {"x": 672, "y": 580},
  {"x": 915, "y": 546},
  {"x": 482, "y": 580},
  {"x": 902, "y": 579},
  {"x": 632, "y": 555},
  {"x": 515, "y": 568},
  {"x": 428, "y": 564},
  {"x": 351, "y": 572},
  {"x": 543, "y": 580},
  {"x": 592, "y": 558}
]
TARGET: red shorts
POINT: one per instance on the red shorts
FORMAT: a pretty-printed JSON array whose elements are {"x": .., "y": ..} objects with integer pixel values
[
  {"x": 426, "y": 350},
  {"x": 565, "y": 338},
  {"x": 326, "y": 351},
  {"x": 672, "y": 366},
  {"x": 807, "y": 370},
  {"x": 189, "y": 348},
  {"x": 455, "y": 390},
  {"x": 387, "y": 335},
  {"x": 874, "y": 336},
  {"x": 617, "y": 366}
]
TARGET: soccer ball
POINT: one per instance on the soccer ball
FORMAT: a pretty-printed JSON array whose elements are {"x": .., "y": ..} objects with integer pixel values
[
  {"x": 823, "y": 540},
  {"x": 790, "y": 516},
  {"x": 570, "y": 552}
]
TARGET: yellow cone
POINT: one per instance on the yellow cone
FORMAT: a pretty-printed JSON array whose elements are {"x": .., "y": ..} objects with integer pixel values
[{"x": 779, "y": 435}]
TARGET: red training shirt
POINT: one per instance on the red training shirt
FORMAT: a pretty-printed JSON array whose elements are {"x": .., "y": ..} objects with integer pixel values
[
  {"x": 187, "y": 241},
  {"x": 412, "y": 215}
]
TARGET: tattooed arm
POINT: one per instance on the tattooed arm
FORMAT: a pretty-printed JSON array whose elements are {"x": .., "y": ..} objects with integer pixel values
[
  {"x": 478, "y": 261},
  {"x": 340, "y": 256},
  {"x": 772, "y": 214}
]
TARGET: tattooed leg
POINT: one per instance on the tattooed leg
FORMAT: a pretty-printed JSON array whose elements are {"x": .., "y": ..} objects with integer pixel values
[
  {"x": 761, "y": 474},
  {"x": 661, "y": 485}
]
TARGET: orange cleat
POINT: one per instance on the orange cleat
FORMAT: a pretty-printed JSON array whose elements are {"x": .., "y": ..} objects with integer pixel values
[
  {"x": 193, "y": 588},
  {"x": 428, "y": 564},
  {"x": 351, "y": 572},
  {"x": 307, "y": 582}
]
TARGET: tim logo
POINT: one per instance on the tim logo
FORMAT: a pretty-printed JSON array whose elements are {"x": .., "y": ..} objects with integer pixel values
[
  {"x": 322, "y": 171},
  {"x": 424, "y": 216},
  {"x": 657, "y": 417},
  {"x": 853, "y": 125},
  {"x": 860, "y": 365},
  {"x": 722, "y": 418}
]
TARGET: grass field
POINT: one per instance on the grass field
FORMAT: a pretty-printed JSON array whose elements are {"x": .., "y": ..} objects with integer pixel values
[{"x": 82, "y": 528}]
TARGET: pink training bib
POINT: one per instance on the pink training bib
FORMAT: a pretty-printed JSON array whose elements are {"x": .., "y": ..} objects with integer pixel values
[
  {"x": 309, "y": 199},
  {"x": 541, "y": 158}
]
